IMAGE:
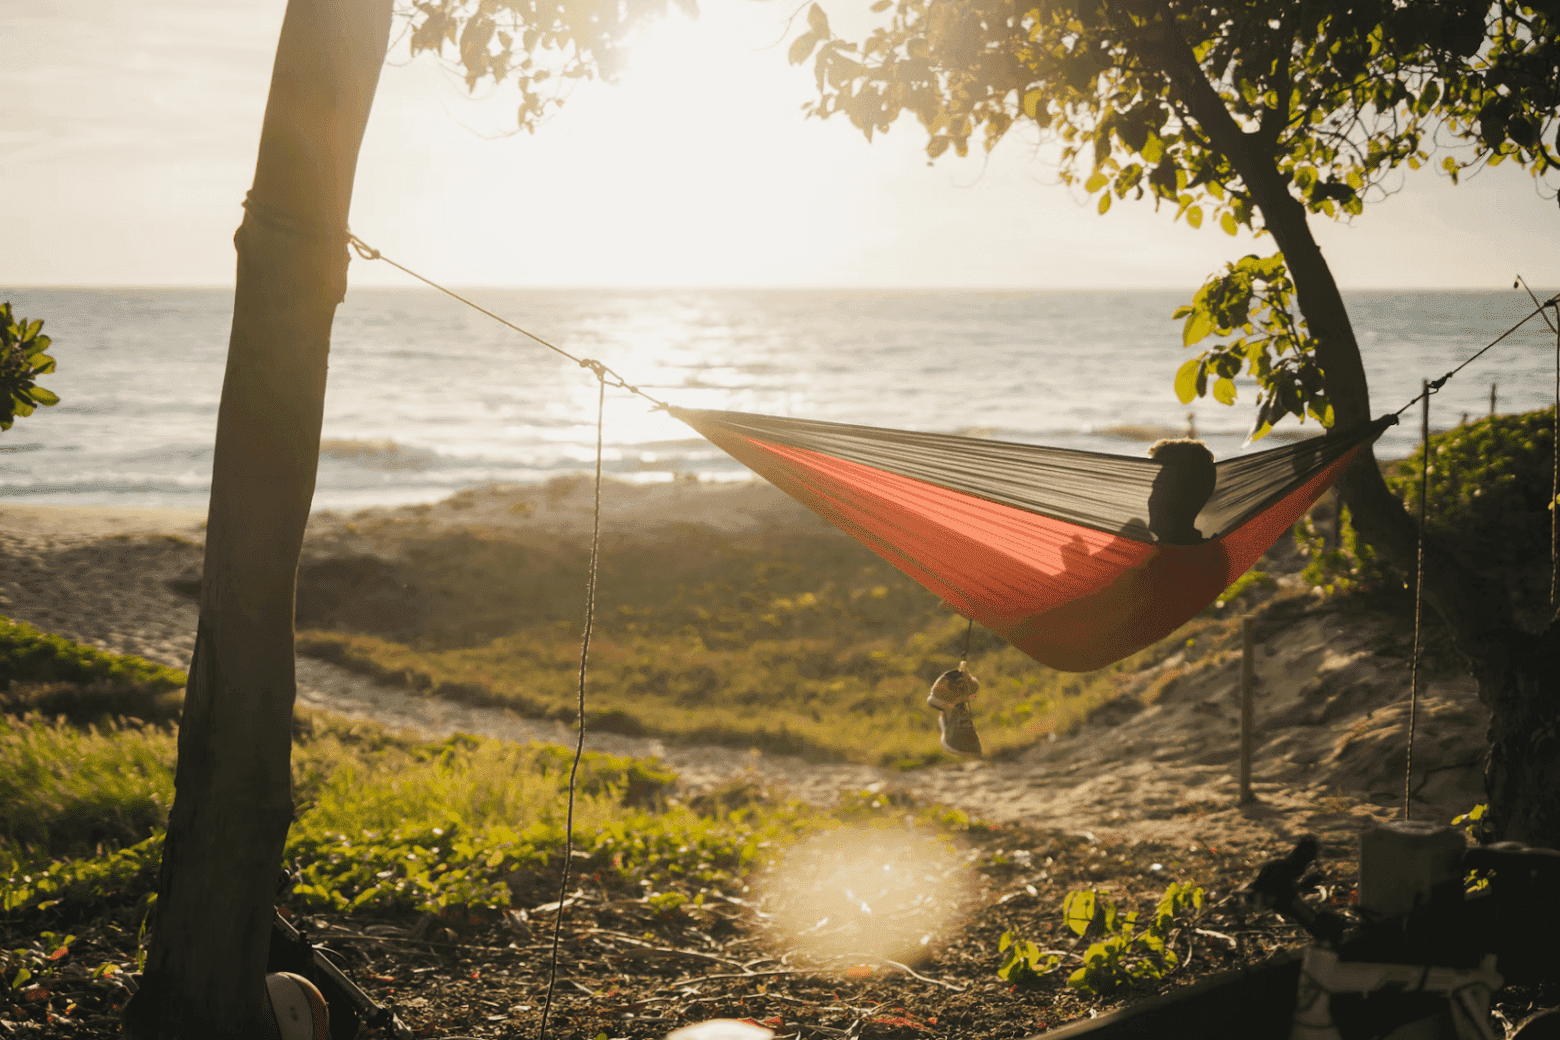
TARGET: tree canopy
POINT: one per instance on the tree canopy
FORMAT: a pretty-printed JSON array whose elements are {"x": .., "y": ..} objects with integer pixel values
[
  {"x": 1247, "y": 114},
  {"x": 540, "y": 46}
]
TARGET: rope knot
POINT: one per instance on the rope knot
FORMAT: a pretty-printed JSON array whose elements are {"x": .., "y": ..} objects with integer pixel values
[
  {"x": 362, "y": 248},
  {"x": 596, "y": 367}
]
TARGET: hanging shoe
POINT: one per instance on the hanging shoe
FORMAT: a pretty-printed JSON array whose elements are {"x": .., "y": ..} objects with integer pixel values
[
  {"x": 952, "y": 687},
  {"x": 951, "y": 695},
  {"x": 958, "y": 730}
]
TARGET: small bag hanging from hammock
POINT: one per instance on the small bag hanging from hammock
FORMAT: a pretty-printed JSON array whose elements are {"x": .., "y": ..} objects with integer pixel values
[{"x": 1077, "y": 558}]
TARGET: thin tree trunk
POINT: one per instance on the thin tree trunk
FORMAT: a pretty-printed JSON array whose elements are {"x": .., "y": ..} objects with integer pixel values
[
  {"x": 233, "y": 804},
  {"x": 1516, "y": 671}
]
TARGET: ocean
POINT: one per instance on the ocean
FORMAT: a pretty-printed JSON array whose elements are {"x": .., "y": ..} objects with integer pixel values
[{"x": 427, "y": 397}]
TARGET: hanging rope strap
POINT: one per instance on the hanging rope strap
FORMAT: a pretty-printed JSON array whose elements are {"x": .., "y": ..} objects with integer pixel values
[
  {"x": 1434, "y": 385},
  {"x": 1554, "y": 487},
  {"x": 604, "y": 373},
  {"x": 579, "y": 744},
  {"x": 1419, "y": 594}
]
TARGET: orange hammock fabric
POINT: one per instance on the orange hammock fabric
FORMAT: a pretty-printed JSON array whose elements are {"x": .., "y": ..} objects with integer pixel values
[{"x": 1060, "y": 552}]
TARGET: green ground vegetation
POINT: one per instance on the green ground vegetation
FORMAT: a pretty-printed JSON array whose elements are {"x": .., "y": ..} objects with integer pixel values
[
  {"x": 33, "y": 659},
  {"x": 383, "y": 822},
  {"x": 799, "y": 641},
  {"x": 1489, "y": 499}
]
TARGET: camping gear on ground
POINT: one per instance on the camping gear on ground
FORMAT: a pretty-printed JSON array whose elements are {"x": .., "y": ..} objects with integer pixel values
[
  {"x": 348, "y": 1006},
  {"x": 297, "y": 1006}
]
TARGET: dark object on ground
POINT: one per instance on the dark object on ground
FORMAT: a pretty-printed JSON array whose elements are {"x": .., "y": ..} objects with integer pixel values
[
  {"x": 349, "y": 1006},
  {"x": 1444, "y": 934}
]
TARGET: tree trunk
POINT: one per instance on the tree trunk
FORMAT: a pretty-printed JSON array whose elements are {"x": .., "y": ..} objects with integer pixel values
[
  {"x": 233, "y": 804},
  {"x": 1516, "y": 670}
]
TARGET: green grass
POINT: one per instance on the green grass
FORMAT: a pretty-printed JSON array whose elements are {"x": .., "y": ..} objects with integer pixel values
[
  {"x": 70, "y": 791},
  {"x": 30, "y": 656},
  {"x": 383, "y": 822}
]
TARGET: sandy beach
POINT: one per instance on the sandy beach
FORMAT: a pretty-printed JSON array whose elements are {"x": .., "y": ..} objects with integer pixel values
[{"x": 1331, "y": 708}]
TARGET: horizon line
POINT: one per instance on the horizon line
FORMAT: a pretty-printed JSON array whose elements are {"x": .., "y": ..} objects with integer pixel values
[{"x": 209, "y": 286}]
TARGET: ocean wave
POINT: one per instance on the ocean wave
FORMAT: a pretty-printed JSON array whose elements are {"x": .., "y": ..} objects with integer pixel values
[{"x": 377, "y": 454}]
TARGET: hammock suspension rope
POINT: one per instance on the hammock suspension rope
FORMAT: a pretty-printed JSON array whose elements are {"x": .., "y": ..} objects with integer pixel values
[
  {"x": 603, "y": 372},
  {"x": 1554, "y": 487},
  {"x": 579, "y": 744},
  {"x": 1419, "y": 595}
]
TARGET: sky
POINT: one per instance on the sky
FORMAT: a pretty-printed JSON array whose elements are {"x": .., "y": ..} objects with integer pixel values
[{"x": 128, "y": 138}]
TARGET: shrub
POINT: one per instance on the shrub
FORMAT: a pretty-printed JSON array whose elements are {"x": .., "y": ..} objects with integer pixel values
[
  {"x": 1124, "y": 953},
  {"x": 22, "y": 361},
  {"x": 1489, "y": 499}
]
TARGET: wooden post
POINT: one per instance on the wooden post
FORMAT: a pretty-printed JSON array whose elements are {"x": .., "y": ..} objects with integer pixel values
[
  {"x": 1492, "y": 398},
  {"x": 1248, "y": 680}
]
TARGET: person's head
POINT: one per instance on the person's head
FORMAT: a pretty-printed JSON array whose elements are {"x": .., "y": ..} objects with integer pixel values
[{"x": 1183, "y": 486}]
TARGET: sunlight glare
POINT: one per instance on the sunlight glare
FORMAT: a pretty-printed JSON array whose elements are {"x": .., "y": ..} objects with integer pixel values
[{"x": 867, "y": 895}]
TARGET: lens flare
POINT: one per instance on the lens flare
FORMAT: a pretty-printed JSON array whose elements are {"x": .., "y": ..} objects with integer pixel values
[{"x": 866, "y": 895}]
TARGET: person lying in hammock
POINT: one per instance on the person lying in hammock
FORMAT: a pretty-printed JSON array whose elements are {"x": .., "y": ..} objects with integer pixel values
[{"x": 1183, "y": 486}]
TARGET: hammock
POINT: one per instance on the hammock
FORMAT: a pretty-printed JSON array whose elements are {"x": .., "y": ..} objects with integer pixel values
[{"x": 1071, "y": 556}]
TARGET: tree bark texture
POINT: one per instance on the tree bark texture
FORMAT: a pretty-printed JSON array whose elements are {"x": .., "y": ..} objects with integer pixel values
[
  {"x": 1516, "y": 669},
  {"x": 233, "y": 800}
]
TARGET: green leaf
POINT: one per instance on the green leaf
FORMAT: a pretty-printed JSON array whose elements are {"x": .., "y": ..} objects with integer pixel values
[
  {"x": 818, "y": 21},
  {"x": 1032, "y": 99},
  {"x": 1193, "y": 216},
  {"x": 1096, "y": 181},
  {"x": 43, "y": 397},
  {"x": 1199, "y": 324},
  {"x": 1186, "y": 381},
  {"x": 1105, "y": 203},
  {"x": 882, "y": 5},
  {"x": 1078, "y": 910},
  {"x": 1227, "y": 222}
]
